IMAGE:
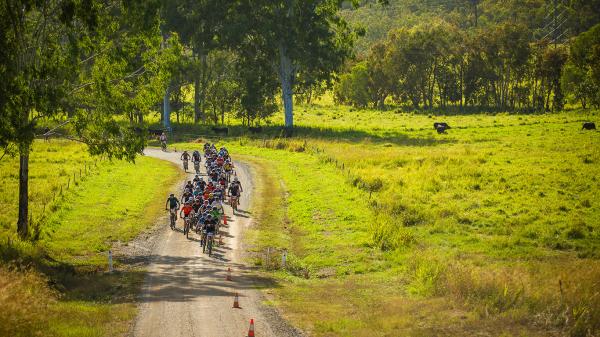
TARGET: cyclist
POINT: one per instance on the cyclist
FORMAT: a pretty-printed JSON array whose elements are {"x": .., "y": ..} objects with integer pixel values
[
  {"x": 235, "y": 191},
  {"x": 173, "y": 203},
  {"x": 196, "y": 158},
  {"x": 197, "y": 203},
  {"x": 210, "y": 187},
  {"x": 163, "y": 141},
  {"x": 187, "y": 196},
  {"x": 238, "y": 185},
  {"x": 210, "y": 224},
  {"x": 185, "y": 156},
  {"x": 197, "y": 192},
  {"x": 202, "y": 184},
  {"x": 187, "y": 210},
  {"x": 188, "y": 186}
]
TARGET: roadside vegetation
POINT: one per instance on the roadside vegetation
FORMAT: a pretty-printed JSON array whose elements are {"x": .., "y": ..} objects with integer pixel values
[
  {"x": 491, "y": 228},
  {"x": 57, "y": 284}
]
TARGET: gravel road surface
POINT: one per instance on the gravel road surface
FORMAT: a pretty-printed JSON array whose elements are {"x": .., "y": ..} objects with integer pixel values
[{"x": 186, "y": 293}]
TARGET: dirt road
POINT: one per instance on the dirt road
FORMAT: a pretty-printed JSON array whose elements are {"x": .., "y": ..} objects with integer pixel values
[{"x": 186, "y": 293}]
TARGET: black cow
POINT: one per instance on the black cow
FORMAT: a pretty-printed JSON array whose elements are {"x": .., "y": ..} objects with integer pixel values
[
  {"x": 441, "y": 127},
  {"x": 220, "y": 131},
  {"x": 257, "y": 129},
  {"x": 589, "y": 126}
]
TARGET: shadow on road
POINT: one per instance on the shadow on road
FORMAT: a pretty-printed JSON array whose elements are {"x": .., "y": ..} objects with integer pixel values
[{"x": 180, "y": 279}]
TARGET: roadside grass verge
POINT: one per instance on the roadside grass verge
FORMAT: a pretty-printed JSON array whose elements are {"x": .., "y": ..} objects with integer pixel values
[
  {"x": 484, "y": 230},
  {"x": 64, "y": 270}
]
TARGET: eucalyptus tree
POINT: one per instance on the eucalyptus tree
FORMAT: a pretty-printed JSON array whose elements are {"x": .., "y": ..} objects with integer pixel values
[
  {"x": 305, "y": 37},
  {"x": 202, "y": 26},
  {"x": 94, "y": 66}
]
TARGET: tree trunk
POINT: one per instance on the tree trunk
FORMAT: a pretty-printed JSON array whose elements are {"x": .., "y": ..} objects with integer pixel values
[
  {"x": 196, "y": 98},
  {"x": 23, "y": 221},
  {"x": 223, "y": 112},
  {"x": 381, "y": 104},
  {"x": 286, "y": 76},
  {"x": 166, "y": 110},
  {"x": 203, "y": 86}
]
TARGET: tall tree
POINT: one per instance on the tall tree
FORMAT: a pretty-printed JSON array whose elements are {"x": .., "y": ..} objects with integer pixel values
[
  {"x": 91, "y": 64},
  {"x": 202, "y": 26},
  {"x": 305, "y": 36}
]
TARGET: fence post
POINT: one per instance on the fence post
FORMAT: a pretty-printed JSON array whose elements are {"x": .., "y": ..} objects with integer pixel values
[
  {"x": 283, "y": 258},
  {"x": 110, "y": 261},
  {"x": 268, "y": 257}
]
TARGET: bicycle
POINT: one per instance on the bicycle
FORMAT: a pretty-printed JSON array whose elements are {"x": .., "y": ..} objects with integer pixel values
[
  {"x": 233, "y": 202},
  {"x": 163, "y": 146},
  {"x": 197, "y": 167},
  {"x": 208, "y": 243},
  {"x": 203, "y": 239},
  {"x": 186, "y": 227},
  {"x": 185, "y": 165},
  {"x": 173, "y": 217}
]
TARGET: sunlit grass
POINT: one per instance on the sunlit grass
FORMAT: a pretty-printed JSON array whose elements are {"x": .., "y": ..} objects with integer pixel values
[
  {"x": 67, "y": 291},
  {"x": 393, "y": 229}
]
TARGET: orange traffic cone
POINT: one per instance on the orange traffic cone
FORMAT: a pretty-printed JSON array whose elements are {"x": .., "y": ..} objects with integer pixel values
[
  {"x": 224, "y": 219},
  {"x": 251, "y": 330},
  {"x": 228, "y": 278},
  {"x": 236, "y": 301}
]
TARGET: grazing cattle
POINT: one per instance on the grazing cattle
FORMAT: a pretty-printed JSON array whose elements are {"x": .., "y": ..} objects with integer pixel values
[
  {"x": 441, "y": 127},
  {"x": 436, "y": 125},
  {"x": 257, "y": 129},
  {"x": 220, "y": 131},
  {"x": 589, "y": 126}
]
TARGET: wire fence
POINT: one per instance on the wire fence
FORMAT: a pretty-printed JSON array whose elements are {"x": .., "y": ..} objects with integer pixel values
[{"x": 50, "y": 205}]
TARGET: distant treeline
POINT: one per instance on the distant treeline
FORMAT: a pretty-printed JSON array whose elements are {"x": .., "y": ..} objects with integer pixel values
[{"x": 497, "y": 66}]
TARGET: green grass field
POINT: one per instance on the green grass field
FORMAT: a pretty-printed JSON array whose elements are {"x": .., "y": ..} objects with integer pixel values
[
  {"x": 57, "y": 285},
  {"x": 393, "y": 229}
]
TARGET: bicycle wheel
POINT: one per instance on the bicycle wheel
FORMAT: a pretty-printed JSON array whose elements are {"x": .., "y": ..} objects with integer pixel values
[{"x": 210, "y": 244}]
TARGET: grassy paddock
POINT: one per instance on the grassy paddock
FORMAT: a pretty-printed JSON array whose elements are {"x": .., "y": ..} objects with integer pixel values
[
  {"x": 491, "y": 228},
  {"x": 65, "y": 276}
]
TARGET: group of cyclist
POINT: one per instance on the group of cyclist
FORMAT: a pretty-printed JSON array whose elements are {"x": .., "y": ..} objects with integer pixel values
[{"x": 202, "y": 199}]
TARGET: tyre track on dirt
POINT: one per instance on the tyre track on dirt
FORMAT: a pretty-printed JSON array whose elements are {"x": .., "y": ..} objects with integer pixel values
[{"x": 185, "y": 292}]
